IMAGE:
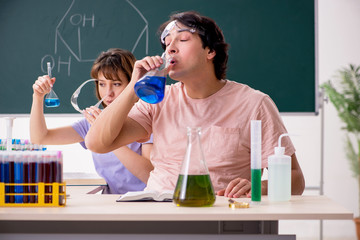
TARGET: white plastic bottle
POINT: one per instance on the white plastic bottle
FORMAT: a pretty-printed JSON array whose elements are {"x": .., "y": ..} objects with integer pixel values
[{"x": 279, "y": 175}]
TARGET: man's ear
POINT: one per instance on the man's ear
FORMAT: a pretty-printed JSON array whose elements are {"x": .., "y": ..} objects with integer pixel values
[{"x": 211, "y": 54}]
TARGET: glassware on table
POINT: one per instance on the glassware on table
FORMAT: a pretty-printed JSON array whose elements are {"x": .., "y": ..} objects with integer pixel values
[{"x": 194, "y": 187}]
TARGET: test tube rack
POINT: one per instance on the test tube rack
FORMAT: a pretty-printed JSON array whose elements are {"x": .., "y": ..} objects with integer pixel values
[{"x": 57, "y": 197}]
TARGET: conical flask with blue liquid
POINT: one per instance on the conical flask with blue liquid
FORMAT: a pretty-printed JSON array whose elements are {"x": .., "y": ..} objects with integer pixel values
[
  {"x": 151, "y": 87},
  {"x": 51, "y": 99}
]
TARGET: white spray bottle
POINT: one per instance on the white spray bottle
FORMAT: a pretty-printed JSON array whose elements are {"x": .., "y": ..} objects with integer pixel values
[{"x": 279, "y": 174}]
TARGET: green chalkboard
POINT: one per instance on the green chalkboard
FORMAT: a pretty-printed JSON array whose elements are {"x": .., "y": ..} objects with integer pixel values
[{"x": 272, "y": 44}]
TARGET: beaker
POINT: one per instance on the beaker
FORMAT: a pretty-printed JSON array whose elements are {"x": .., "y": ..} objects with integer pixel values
[
  {"x": 151, "y": 87},
  {"x": 194, "y": 187},
  {"x": 51, "y": 99}
]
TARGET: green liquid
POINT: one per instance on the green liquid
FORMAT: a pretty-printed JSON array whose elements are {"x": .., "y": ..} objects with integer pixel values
[
  {"x": 256, "y": 185},
  {"x": 197, "y": 191}
]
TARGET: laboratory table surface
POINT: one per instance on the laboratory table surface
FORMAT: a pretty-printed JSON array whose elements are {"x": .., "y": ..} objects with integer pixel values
[{"x": 87, "y": 208}]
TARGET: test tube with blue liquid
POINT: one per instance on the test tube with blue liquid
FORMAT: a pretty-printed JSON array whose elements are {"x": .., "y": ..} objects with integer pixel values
[
  {"x": 151, "y": 87},
  {"x": 51, "y": 99},
  {"x": 5, "y": 173},
  {"x": 18, "y": 176}
]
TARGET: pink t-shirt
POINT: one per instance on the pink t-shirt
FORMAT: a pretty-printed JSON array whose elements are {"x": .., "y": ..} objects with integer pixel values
[{"x": 224, "y": 118}]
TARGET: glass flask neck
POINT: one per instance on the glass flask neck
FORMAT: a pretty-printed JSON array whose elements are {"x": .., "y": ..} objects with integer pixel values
[
  {"x": 193, "y": 131},
  {"x": 194, "y": 161}
]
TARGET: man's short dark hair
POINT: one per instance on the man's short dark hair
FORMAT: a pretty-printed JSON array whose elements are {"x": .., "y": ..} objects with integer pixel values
[{"x": 211, "y": 36}]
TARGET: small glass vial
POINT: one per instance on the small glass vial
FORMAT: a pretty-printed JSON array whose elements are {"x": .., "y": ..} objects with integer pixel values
[{"x": 194, "y": 187}]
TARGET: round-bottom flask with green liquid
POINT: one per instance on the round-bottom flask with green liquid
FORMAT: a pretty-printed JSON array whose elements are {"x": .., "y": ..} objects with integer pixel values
[
  {"x": 194, "y": 191},
  {"x": 194, "y": 187}
]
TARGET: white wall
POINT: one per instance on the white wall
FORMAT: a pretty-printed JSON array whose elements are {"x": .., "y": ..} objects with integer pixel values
[{"x": 339, "y": 45}]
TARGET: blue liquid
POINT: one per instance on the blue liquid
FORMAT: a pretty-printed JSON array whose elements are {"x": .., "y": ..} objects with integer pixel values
[
  {"x": 6, "y": 180},
  {"x": 2, "y": 176},
  {"x": 151, "y": 89},
  {"x": 19, "y": 178},
  {"x": 52, "y": 102},
  {"x": 2, "y": 173}
]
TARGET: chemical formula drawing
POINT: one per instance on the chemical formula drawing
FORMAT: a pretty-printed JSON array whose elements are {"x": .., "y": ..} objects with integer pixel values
[{"x": 80, "y": 35}]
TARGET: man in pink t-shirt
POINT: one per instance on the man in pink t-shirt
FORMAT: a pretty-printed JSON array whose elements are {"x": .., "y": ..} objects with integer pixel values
[{"x": 201, "y": 98}]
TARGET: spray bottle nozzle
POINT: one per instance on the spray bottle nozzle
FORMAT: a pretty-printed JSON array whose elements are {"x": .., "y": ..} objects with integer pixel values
[{"x": 280, "y": 150}]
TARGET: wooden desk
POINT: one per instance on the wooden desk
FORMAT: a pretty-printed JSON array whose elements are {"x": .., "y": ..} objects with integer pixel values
[{"x": 95, "y": 213}]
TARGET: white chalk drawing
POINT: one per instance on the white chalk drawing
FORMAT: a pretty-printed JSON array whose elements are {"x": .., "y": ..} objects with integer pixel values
[{"x": 81, "y": 21}]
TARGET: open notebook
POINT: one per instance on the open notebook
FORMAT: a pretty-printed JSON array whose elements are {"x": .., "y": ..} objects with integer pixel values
[{"x": 166, "y": 196}]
